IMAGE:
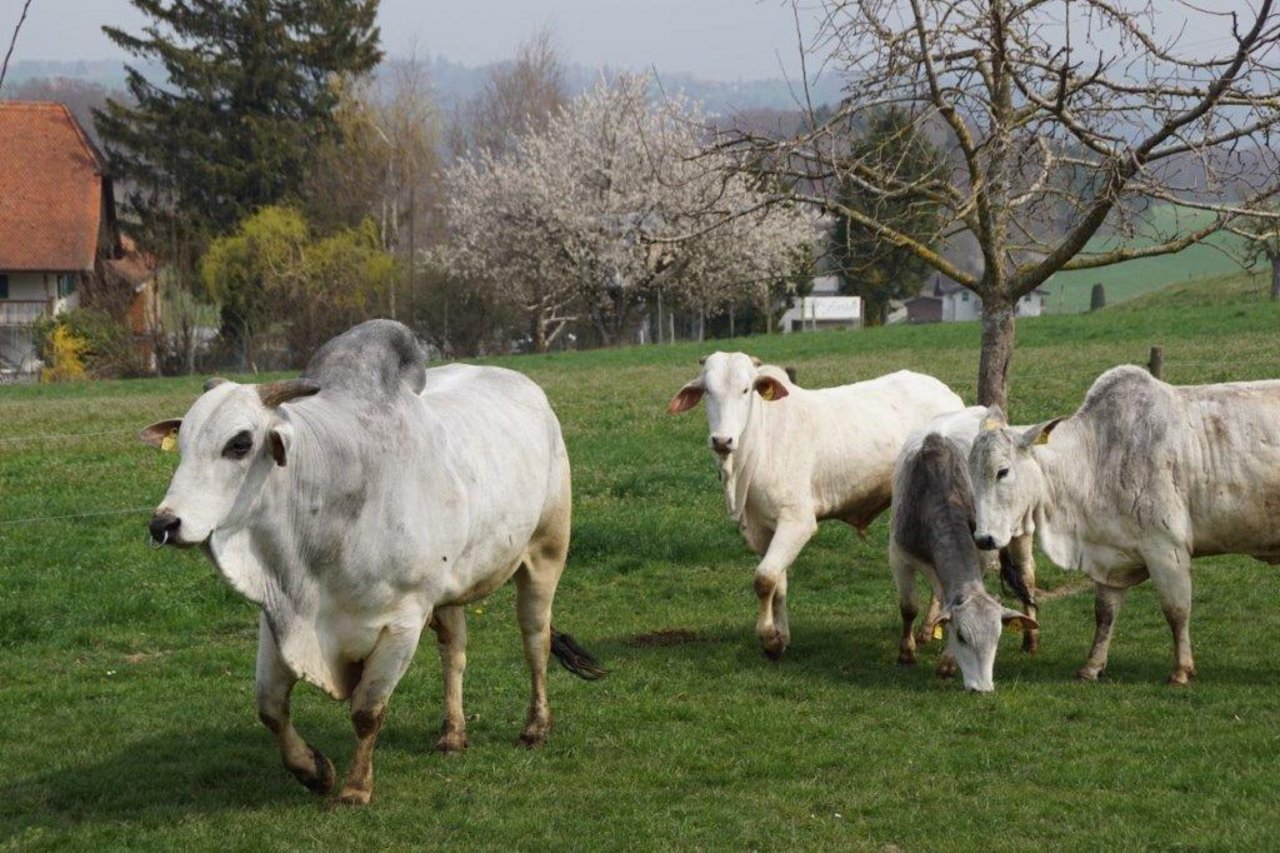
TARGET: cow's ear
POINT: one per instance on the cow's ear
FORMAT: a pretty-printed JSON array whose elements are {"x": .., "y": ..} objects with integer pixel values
[
  {"x": 994, "y": 419},
  {"x": 280, "y": 439},
  {"x": 213, "y": 382},
  {"x": 1039, "y": 434},
  {"x": 686, "y": 398},
  {"x": 770, "y": 388},
  {"x": 755, "y": 362},
  {"x": 1010, "y": 616},
  {"x": 162, "y": 434}
]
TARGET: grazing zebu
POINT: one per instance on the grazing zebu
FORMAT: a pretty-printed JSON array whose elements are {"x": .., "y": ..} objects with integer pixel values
[
  {"x": 931, "y": 532},
  {"x": 362, "y": 502},
  {"x": 791, "y": 457},
  {"x": 1141, "y": 479}
]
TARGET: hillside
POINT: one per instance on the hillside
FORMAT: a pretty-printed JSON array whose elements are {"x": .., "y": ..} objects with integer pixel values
[{"x": 1069, "y": 292}]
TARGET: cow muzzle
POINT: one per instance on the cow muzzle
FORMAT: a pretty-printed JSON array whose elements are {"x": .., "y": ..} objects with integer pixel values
[
  {"x": 985, "y": 542},
  {"x": 164, "y": 528},
  {"x": 721, "y": 444}
]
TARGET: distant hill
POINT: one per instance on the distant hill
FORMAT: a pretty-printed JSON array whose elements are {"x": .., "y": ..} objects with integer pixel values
[{"x": 455, "y": 83}]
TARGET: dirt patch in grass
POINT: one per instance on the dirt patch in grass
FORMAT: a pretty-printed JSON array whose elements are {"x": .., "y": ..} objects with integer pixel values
[{"x": 666, "y": 637}]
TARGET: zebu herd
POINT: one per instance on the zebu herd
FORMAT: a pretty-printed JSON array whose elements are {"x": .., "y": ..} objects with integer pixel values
[{"x": 372, "y": 498}]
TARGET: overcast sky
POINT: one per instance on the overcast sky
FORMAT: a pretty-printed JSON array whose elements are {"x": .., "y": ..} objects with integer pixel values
[{"x": 713, "y": 39}]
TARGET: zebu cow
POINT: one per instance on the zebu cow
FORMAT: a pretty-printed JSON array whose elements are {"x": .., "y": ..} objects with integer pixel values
[
  {"x": 1143, "y": 477},
  {"x": 362, "y": 502},
  {"x": 931, "y": 532},
  {"x": 791, "y": 457}
]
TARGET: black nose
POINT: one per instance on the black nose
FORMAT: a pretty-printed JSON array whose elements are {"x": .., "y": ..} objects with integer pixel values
[
  {"x": 986, "y": 543},
  {"x": 164, "y": 526},
  {"x": 721, "y": 445}
]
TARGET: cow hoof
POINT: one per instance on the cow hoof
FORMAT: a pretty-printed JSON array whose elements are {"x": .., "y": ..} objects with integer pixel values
[
  {"x": 354, "y": 797},
  {"x": 1087, "y": 673},
  {"x": 451, "y": 743},
  {"x": 1181, "y": 677},
  {"x": 906, "y": 659},
  {"x": 1031, "y": 642},
  {"x": 321, "y": 778},
  {"x": 532, "y": 739}
]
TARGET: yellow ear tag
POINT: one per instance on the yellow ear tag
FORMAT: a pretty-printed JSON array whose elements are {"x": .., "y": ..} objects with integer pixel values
[
  {"x": 1042, "y": 438},
  {"x": 767, "y": 391},
  {"x": 1013, "y": 626},
  {"x": 937, "y": 632},
  {"x": 170, "y": 442},
  {"x": 990, "y": 425}
]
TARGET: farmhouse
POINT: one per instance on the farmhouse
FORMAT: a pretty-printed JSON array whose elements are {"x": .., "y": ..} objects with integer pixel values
[
  {"x": 59, "y": 240},
  {"x": 823, "y": 308},
  {"x": 943, "y": 300}
]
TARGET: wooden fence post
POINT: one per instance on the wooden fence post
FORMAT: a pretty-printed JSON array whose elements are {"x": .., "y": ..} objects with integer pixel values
[{"x": 1156, "y": 364}]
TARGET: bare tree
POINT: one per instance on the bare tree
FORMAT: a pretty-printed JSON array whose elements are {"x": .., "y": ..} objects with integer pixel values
[
  {"x": 1067, "y": 125},
  {"x": 520, "y": 97},
  {"x": 1262, "y": 238},
  {"x": 13, "y": 40}
]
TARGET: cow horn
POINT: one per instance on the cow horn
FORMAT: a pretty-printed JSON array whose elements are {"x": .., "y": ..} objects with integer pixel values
[{"x": 275, "y": 393}]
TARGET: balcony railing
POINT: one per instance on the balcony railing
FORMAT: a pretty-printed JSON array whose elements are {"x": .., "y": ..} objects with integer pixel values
[{"x": 22, "y": 312}]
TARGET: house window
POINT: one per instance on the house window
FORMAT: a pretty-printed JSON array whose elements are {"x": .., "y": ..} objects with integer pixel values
[
  {"x": 4, "y": 285},
  {"x": 66, "y": 284},
  {"x": 964, "y": 297}
]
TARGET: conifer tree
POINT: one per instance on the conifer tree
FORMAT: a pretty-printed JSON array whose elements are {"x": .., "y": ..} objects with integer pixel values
[{"x": 247, "y": 97}]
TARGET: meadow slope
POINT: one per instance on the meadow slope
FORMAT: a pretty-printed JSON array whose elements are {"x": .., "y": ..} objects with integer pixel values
[{"x": 126, "y": 707}]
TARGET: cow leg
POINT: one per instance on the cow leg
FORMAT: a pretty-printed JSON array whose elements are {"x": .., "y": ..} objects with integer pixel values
[
  {"x": 382, "y": 671},
  {"x": 1172, "y": 577},
  {"x": 771, "y": 584},
  {"x": 450, "y": 625},
  {"x": 535, "y": 589},
  {"x": 904, "y": 581},
  {"x": 273, "y": 685},
  {"x": 1107, "y": 601},
  {"x": 1022, "y": 552},
  {"x": 931, "y": 616}
]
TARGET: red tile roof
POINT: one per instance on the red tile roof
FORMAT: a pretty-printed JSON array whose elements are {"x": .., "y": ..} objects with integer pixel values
[{"x": 50, "y": 190}]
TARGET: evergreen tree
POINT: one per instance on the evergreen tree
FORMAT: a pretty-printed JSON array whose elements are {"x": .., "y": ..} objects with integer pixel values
[
  {"x": 248, "y": 97},
  {"x": 868, "y": 265}
]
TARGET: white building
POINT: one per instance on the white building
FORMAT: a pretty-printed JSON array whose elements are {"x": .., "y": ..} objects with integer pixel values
[
  {"x": 943, "y": 300},
  {"x": 823, "y": 309}
]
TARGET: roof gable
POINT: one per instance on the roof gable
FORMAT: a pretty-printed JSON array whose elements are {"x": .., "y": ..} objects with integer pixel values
[{"x": 51, "y": 187}]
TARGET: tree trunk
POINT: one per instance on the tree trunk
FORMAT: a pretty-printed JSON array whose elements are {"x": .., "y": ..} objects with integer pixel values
[
  {"x": 538, "y": 334},
  {"x": 1275, "y": 276},
  {"x": 997, "y": 351}
]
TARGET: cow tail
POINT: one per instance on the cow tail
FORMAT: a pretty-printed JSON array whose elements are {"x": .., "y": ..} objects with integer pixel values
[
  {"x": 1012, "y": 579},
  {"x": 574, "y": 657}
]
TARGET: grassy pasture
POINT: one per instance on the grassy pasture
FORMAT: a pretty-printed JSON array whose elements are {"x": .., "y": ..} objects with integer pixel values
[
  {"x": 126, "y": 709},
  {"x": 1069, "y": 292}
]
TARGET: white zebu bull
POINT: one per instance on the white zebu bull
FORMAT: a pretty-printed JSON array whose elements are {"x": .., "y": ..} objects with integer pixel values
[
  {"x": 791, "y": 457},
  {"x": 931, "y": 532},
  {"x": 359, "y": 504},
  {"x": 1141, "y": 479}
]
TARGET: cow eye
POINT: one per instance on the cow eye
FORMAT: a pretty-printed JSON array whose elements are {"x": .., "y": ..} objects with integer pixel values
[
  {"x": 239, "y": 445},
  {"x": 746, "y": 390},
  {"x": 1002, "y": 473}
]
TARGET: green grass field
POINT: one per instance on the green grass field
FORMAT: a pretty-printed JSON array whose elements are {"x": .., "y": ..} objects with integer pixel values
[
  {"x": 1069, "y": 292},
  {"x": 126, "y": 707}
]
